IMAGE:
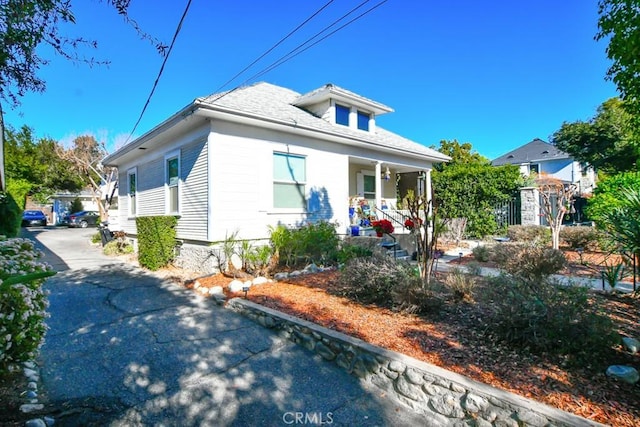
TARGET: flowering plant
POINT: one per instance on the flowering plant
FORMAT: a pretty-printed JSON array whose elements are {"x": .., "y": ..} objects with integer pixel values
[
  {"x": 23, "y": 302},
  {"x": 382, "y": 226},
  {"x": 411, "y": 224}
]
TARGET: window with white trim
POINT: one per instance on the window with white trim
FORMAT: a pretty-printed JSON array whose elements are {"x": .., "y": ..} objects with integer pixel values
[
  {"x": 363, "y": 120},
  {"x": 289, "y": 181},
  {"x": 342, "y": 115},
  {"x": 132, "y": 191},
  {"x": 172, "y": 183}
]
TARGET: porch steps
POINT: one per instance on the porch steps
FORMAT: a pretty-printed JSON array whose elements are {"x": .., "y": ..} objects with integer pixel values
[{"x": 394, "y": 250}]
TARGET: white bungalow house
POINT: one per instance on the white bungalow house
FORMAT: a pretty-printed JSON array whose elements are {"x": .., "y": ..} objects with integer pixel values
[{"x": 264, "y": 155}]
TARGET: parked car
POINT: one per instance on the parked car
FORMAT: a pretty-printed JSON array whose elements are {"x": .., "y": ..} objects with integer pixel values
[
  {"x": 83, "y": 219},
  {"x": 33, "y": 217}
]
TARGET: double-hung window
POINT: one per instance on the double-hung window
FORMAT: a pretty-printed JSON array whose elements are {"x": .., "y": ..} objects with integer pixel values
[
  {"x": 289, "y": 181},
  {"x": 132, "y": 190},
  {"x": 172, "y": 183}
]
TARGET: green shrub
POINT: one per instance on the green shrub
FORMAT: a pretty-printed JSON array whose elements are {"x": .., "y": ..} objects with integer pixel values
[
  {"x": 76, "y": 205},
  {"x": 474, "y": 268},
  {"x": 117, "y": 247},
  {"x": 460, "y": 284},
  {"x": 549, "y": 318},
  {"x": 156, "y": 240},
  {"x": 348, "y": 252},
  {"x": 23, "y": 302},
  {"x": 11, "y": 207},
  {"x": 531, "y": 263},
  {"x": 257, "y": 259},
  {"x": 96, "y": 238},
  {"x": 529, "y": 233},
  {"x": 481, "y": 253},
  {"x": 317, "y": 242},
  {"x": 587, "y": 238},
  {"x": 382, "y": 281}
]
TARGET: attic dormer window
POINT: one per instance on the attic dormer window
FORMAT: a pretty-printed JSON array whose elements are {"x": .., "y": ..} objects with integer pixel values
[
  {"x": 363, "y": 120},
  {"x": 342, "y": 115}
]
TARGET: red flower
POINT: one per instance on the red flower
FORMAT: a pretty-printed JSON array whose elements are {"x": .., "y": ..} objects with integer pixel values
[
  {"x": 383, "y": 226},
  {"x": 411, "y": 224}
]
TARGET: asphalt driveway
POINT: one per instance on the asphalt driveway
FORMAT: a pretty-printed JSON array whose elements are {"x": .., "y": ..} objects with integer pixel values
[{"x": 127, "y": 348}]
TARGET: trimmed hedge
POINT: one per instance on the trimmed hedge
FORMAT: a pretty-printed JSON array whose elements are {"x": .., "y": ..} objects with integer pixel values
[
  {"x": 156, "y": 240},
  {"x": 11, "y": 207}
]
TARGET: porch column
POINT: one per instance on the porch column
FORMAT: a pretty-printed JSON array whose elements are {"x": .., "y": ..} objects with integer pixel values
[
  {"x": 378, "y": 185},
  {"x": 427, "y": 198},
  {"x": 427, "y": 188}
]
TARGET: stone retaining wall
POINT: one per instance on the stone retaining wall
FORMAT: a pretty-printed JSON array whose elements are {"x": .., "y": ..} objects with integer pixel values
[{"x": 445, "y": 398}]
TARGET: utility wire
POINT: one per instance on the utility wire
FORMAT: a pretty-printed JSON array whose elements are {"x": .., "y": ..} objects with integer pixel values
[
  {"x": 155, "y": 84},
  {"x": 297, "y": 50},
  {"x": 275, "y": 45}
]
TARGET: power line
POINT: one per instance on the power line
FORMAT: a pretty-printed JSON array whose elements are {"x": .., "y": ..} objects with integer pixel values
[
  {"x": 155, "y": 84},
  {"x": 296, "y": 51},
  {"x": 275, "y": 45}
]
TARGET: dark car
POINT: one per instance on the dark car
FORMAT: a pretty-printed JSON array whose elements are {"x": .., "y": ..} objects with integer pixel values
[
  {"x": 33, "y": 217},
  {"x": 83, "y": 219}
]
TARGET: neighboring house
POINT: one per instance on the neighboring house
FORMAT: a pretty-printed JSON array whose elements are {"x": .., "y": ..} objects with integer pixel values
[
  {"x": 542, "y": 157},
  {"x": 264, "y": 155},
  {"x": 62, "y": 204}
]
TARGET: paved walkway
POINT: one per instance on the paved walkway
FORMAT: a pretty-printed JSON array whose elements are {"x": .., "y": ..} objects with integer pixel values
[{"x": 127, "y": 348}]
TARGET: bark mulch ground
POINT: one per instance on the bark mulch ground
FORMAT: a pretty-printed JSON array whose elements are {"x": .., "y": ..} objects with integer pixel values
[{"x": 455, "y": 340}]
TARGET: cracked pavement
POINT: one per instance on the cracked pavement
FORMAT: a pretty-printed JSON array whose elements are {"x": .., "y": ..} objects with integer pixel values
[{"x": 126, "y": 347}]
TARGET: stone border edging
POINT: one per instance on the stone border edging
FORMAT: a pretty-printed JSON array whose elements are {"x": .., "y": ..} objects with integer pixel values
[{"x": 423, "y": 386}]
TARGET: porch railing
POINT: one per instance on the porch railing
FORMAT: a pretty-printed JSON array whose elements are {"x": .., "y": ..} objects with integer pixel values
[{"x": 396, "y": 216}]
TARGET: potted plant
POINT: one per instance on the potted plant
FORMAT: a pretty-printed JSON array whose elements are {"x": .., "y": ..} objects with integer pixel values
[{"x": 382, "y": 226}]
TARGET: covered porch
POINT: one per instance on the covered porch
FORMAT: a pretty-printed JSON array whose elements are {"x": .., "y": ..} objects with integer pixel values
[{"x": 377, "y": 188}]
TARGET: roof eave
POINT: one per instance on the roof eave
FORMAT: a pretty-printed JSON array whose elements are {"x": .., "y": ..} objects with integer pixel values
[
  {"x": 162, "y": 127},
  {"x": 228, "y": 114}
]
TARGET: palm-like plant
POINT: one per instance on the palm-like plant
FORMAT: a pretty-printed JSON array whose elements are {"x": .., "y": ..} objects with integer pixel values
[{"x": 622, "y": 224}]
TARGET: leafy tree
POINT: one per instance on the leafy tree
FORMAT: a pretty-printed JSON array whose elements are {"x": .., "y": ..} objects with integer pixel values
[
  {"x": 609, "y": 194},
  {"x": 459, "y": 153},
  {"x": 26, "y": 26},
  {"x": 469, "y": 187},
  {"x": 36, "y": 161},
  {"x": 607, "y": 141},
  {"x": 619, "y": 22}
]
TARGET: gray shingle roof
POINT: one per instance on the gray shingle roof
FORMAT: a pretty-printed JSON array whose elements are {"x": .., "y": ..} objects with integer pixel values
[
  {"x": 534, "y": 151},
  {"x": 268, "y": 101}
]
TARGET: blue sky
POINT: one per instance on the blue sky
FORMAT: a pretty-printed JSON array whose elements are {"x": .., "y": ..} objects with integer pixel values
[{"x": 496, "y": 74}]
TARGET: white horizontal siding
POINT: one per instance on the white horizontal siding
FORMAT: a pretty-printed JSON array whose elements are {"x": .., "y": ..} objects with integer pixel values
[
  {"x": 125, "y": 223},
  {"x": 193, "y": 192},
  {"x": 242, "y": 181},
  {"x": 151, "y": 194}
]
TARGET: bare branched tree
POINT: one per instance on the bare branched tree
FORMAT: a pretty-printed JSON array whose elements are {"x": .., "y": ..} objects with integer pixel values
[
  {"x": 85, "y": 155},
  {"x": 424, "y": 231},
  {"x": 556, "y": 197}
]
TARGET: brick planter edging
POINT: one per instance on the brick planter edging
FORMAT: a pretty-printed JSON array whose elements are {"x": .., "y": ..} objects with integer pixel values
[{"x": 427, "y": 388}]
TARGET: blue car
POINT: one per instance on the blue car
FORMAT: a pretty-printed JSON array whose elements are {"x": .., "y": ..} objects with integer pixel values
[{"x": 33, "y": 217}]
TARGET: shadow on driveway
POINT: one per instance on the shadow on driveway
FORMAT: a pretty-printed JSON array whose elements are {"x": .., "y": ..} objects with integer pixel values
[{"x": 128, "y": 348}]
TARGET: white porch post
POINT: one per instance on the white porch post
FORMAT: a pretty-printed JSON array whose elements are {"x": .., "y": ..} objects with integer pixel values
[
  {"x": 427, "y": 189},
  {"x": 378, "y": 184}
]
